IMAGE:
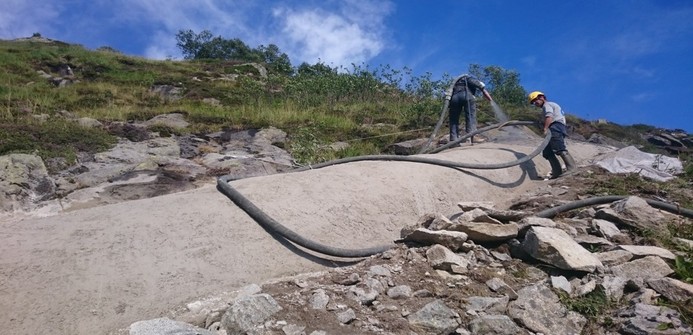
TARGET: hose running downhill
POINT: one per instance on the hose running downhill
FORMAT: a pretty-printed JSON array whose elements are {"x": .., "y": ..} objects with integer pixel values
[{"x": 271, "y": 224}]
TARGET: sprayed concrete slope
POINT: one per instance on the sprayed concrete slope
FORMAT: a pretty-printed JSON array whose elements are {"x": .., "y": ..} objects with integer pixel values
[{"x": 99, "y": 269}]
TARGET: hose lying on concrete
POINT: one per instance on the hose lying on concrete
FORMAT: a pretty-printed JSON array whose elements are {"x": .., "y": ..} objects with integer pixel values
[
  {"x": 551, "y": 212},
  {"x": 272, "y": 225}
]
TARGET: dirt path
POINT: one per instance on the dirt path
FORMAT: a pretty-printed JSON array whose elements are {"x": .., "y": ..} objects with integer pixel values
[{"x": 96, "y": 270}]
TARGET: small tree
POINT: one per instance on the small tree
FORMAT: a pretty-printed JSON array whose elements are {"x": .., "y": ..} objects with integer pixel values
[
  {"x": 205, "y": 46},
  {"x": 503, "y": 84},
  {"x": 275, "y": 59}
]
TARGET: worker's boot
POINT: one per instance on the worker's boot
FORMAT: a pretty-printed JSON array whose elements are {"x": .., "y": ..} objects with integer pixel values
[
  {"x": 454, "y": 132},
  {"x": 556, "y": 169},
  {"x": 568, "y": 159}
]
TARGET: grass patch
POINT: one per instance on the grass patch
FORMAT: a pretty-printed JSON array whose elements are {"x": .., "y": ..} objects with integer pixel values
[
  {"x": 595, "y": 306},
  {"x": 56, "y": 138}
]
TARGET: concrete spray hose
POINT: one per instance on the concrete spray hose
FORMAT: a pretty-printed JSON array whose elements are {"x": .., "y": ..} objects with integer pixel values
[{"x": 273, "y": 226}]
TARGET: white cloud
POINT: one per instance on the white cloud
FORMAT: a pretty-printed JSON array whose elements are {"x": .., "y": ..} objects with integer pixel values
[
  {"x": 329, "y": 38},
  {"x": 21, "y": 18},
  {"x": 338, "y": 32},
  {"x": 353, "y": 33}
]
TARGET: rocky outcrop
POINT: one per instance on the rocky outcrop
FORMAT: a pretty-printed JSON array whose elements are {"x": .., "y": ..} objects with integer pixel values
[
  {"x": 142, "y": 164},
  {"x": 439, "y": 282},
  {"x": 24, "y": 179}
]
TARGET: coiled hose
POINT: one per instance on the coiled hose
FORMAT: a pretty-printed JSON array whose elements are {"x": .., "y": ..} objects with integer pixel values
[
  {"x": 272, "y": 225},
  {"x": 269, "y": 223}
]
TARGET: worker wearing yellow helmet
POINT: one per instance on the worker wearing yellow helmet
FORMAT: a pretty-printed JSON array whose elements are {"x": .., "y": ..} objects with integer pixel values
[{"x": 554, "y": 122}]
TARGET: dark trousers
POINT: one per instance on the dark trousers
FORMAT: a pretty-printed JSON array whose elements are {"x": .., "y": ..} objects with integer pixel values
[
  {"x": 556, "y": 145},
  {"x": 458, "y": 104}
]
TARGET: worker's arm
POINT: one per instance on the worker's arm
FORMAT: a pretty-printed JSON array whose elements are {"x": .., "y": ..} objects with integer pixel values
[
  {"x": 487, "y": 95},
  {"x": 547, "y": 123}
]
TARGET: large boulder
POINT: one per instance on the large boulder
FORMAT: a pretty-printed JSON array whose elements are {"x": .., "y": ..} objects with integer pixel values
[{"x": 557, "y": 248}]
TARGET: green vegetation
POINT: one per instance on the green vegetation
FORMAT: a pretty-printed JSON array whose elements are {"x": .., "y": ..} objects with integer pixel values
[
  {"x": 315, "y": 104},
  {"x": 596, "y": 306},
  {"x": 677, "y": 191},
  {"x": 592, "y": 305}
]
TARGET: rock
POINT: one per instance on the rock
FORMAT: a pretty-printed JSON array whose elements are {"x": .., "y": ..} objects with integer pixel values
[
  {"x": 606, "y": 229},
  {"x": 165, "y": 326},
  {"x": 613, "y": 286},
  {"x": 24, "y": 181},
  {"x": 363, "y": 297},
  {"x": 592, "y": 241},
  {"x": 636, "y": 212},
  {"x": 89, "y": 123},
  {"x": 347, "y": 316},
  {"x": 499, "y": 286},
  {"x": 399, "y": 292},
  {"x": 672, "y": 289},
  {"x": 646, "y": 250},
  {"x": 486, "y": 232},
  {"x": 490, "y": 305},
  {"x": 441, "y": 258},
  {"x": 643, "y": 269},
  {"x": 249, "y": 312},
  {"x": 614, "y": 257},
  {"x": 379, "y": 270},
  {"x": 648, "y": 319},
  {"x": 495, "y": 324},
  {"x": 434, "y": 318},
  {"x": 409, "y": 147},
  {"x": 561, "y": 283},
  {"x": 319, "y": 299},
  {"x": 477, "y": 215},
  {"x": 533, "y": 221},
  {"x": 454, "y": 240},
  {"x": 539, "y": 310},
  {"x": 555, "y": 247}
]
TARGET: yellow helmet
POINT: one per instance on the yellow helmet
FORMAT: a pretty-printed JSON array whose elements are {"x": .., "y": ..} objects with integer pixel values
[{"x": 533, "y": 96}]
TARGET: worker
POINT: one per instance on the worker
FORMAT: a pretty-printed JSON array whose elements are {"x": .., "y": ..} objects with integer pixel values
[
  {"x": 554, "y": 122},
  {"x": 464, "y": 94}
]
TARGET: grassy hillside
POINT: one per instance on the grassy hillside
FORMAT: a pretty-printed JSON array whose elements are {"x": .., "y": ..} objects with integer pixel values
[{"x": 314, "y": 107}]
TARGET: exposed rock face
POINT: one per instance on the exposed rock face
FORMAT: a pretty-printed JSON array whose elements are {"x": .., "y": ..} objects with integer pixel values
[
  {"x": 141, "y": 165},
  {"x": 23, "y": 179}
]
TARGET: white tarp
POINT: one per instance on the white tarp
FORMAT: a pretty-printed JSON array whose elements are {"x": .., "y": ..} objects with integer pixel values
[{"x": 632, "y": 160}]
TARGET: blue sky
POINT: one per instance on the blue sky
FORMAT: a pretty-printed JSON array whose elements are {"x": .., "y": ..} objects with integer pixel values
[{"x": 627, "y": 61}]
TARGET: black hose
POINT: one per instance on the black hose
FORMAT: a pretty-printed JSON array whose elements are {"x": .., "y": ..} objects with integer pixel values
[
  {"x": 443, "y": 112},
  {"x": 551, "y": 212},
  {"x": 272, "y": 225},
  {"x": 269, "y": 223}
]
